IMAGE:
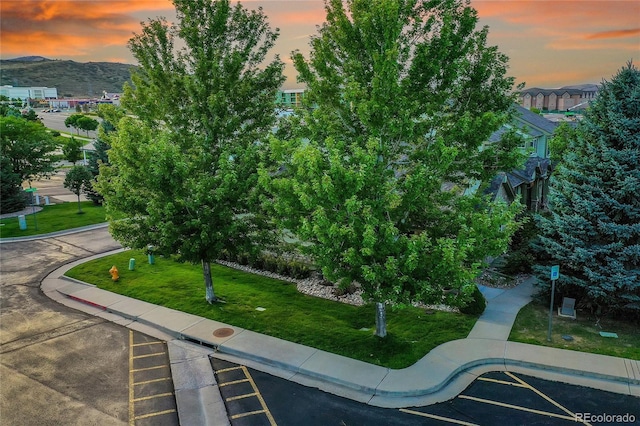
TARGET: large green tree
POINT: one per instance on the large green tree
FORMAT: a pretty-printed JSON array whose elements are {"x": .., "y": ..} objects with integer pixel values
[
  {"x": 184, "y": 172},
  {"x": 593, "y": 232},
  {"x": 27, "y": 152},
  {"x": 382, "y": 179},
  {"x": 29, "y": 147}
]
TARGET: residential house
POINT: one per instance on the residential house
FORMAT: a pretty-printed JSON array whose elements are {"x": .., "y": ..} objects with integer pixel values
[
  {"x": 567, "y": 98},
  {"x": 531, "y": 183}
]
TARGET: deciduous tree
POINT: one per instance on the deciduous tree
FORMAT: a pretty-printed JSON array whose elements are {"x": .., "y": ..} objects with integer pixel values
[
  {"x": 72, "y": 150},
  {"x": 29, "y": 147},
  {"x": 404, "y": 94},
  {"x": 184, "y": 171},
  {"x": 78, "y": 180}
]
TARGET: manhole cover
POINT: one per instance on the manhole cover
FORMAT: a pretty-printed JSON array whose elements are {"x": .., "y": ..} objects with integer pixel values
[{"x": 223, "y": 332}]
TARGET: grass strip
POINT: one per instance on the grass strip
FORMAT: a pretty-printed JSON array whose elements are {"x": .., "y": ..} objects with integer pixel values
[
  {"x": 323, "y": 324},
  {"x": 532, "y": 325},
  {"x": 53, "y": 218}
]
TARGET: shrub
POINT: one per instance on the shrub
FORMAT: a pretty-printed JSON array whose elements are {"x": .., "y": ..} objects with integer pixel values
[{"x": 477, "y": 304}]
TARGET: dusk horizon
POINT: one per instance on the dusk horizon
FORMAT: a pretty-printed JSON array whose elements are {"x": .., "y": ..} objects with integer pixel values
[{"x": 550, "y": 44}]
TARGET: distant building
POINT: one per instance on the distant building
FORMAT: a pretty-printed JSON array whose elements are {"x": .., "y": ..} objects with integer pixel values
[
  {"x": 290, "y": 98},
  {"x": 567, "y": 98},
  {"x": 23, "y": 93}
]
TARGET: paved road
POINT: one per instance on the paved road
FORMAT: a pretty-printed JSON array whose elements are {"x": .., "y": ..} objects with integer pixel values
[
  {"x": 60, "y": 366},
  {"x": 55, "y": 121}
]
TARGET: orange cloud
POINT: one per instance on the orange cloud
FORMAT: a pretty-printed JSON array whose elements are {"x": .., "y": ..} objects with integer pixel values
[
  {"x": 614, "y": 34},
  {"x": 70, "y": 28}
]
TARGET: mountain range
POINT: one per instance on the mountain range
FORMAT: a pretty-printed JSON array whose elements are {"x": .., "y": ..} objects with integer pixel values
[{"x": 70, "y": 78}]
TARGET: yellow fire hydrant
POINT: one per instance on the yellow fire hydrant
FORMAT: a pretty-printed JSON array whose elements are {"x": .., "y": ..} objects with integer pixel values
[{"x": 114, "y": 273}]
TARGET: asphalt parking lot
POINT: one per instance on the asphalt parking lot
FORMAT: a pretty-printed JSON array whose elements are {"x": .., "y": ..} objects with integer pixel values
[
  {"x": 59, "y": 366},
  {"x": 254, "y": 398}
]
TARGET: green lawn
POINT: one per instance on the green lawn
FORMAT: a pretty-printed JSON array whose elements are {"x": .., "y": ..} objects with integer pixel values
[
  {"x": 532, "y": 325},
  {"x": 320, "y": 323},
  {"x": 57, "y": 217}
]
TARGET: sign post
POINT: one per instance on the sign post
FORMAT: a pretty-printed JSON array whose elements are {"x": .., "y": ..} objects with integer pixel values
[{"x": 555, "y": 273}]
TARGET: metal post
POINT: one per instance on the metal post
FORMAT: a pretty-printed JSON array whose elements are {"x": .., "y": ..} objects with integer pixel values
[
  {"x": 35, "y": 220},
  {"x": 553, "y": 290}
]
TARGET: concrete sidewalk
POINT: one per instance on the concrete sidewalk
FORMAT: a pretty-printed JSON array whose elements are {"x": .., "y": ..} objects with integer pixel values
[{"x": 441, "y": 375}]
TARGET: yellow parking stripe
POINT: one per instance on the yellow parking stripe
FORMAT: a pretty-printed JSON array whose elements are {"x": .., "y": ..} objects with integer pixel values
[
  {"x": 160, "y": 395},
  {"x": 235, "y": 382},
  {"x": 225, "y": 370},
  {"x": 502, "y": 382},
  {"x": 157, "y": 367},
  {"x": 149, "y": 355},
  {"x": 148, "y": 343},
  {"x": 132, "y": 419},
  {"x": 157, "y": 413},
  {"x": 256, "y": 393},
  {"x": 152, "y": 381},
  {"x": 248, "y": 413},
  {"x": 516, "y": 407},
  {"x": 259, "y": 396},
  {"x": 235, "y": 398},
  {"x": 528, "y": 386},
  {"x": 433, "y": 416}
]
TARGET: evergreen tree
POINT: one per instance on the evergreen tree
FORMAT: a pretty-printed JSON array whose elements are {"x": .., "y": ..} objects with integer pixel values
[
  {"x": 404, "y": 94},
  {"x": 593, "y": 232},
  {"x": 12, "y": 198},
  {"x": 100, "y": 155}
]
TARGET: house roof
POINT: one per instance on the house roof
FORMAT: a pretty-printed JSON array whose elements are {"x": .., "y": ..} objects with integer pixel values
[{"x": 536, "y": 120}]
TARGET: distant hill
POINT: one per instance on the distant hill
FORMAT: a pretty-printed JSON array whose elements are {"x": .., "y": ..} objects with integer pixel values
[{"x": 72, "y": 79}]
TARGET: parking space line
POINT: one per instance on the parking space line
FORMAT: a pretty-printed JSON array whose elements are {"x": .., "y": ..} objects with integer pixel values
[
  {"x": 157, "y": 367},
  {"x": 226, "y": 370},
  {"x": 433, "y": 416},
  {"x": 163, "y": 379},
  {"x": 160, "y": 395},
  {"x": 235, "y": 382},
  {"x": 157, "y": 413},
  {"x": 148, "y": 343},
  {"x": 235, "y": 398},
  {"x": 517, "y": 407},
  {"x": 256, "y": 393},
  {"x": 248, "y": 413},
  {"x": 502, "y": 382},
  {"x": 149, "y": 355},
  {"x": 132, "y": 420},
  {"x": 528, "y": 386},
  {"x": 149, "y": 401}
]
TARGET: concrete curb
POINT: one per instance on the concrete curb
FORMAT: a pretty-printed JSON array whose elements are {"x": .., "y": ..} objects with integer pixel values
[
  {"x": 53, "y": 234},
  {"x": 437, "y": 377}
]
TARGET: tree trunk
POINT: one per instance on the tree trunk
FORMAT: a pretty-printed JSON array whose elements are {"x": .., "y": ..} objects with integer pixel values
[
  {"x": 208, "y": 282},
  {"x": 79, "y": 206},
  {"x": 381, "y": 320}
]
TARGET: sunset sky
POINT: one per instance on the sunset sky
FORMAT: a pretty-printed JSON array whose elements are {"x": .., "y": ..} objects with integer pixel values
[{"x": 550, "y": 43}]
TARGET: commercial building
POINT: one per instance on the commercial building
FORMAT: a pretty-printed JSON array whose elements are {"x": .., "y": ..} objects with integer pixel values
[{"x": 23, "y": 93}]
